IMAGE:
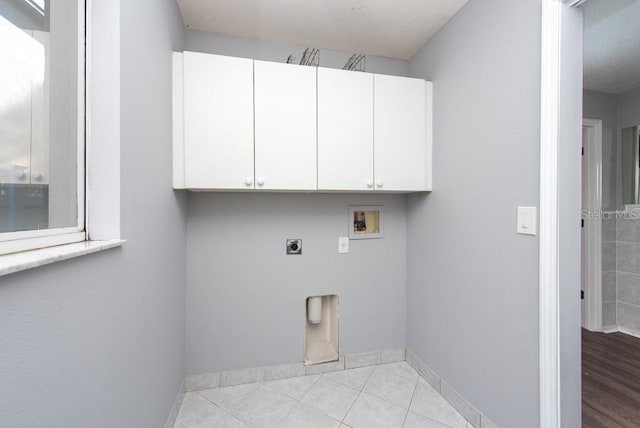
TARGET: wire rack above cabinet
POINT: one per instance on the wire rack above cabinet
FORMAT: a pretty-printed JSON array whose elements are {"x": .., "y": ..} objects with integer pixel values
[
  {"x": 356, "y": 62},
  {"x": 310, "y": 56}
]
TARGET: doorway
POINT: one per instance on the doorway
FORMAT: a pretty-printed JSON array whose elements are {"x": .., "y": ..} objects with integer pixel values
[{"x": 591, "y": 225}]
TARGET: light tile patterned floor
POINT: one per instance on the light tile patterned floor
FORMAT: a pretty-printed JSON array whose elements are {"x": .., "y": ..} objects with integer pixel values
[{"x": 385, "y": 396}]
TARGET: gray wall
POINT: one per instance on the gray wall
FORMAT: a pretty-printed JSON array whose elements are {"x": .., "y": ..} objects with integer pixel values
[
  {"x": 254, "y": 291},
  {"x": 597, "y": 105},
  {"x": 200, "y": 41},
  {"x": 246, "y": 298},
  {"x": 616, "y": 112},
  {"x": 629, "y": 109},
  {"x": 82, "y": 342},
  {"x": 472, "y": 281}
]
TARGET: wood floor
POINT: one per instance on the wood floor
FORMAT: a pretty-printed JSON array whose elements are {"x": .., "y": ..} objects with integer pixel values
[{"x": 610, "y": 380}]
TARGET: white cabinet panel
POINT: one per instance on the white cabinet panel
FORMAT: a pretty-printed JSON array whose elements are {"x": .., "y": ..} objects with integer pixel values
[
  {"x": 218, "y": 122},
  {"x": 400, "y": 140},
  {"x": 285, "y": 126},
  {"x": 345, "y": 130}
]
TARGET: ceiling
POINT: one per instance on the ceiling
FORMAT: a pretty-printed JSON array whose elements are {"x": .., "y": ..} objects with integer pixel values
[
  {"x": 612, "y": 45},
  {"x": 394, "y": 29}
]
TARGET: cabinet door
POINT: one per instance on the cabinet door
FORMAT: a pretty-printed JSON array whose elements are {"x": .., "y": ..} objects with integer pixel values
[
  {"x": 285, "y": 124},
  {"x": 345, "y": 130},
  {"x": 218, "y": 122},
  {"x": 400, "y": 138}
]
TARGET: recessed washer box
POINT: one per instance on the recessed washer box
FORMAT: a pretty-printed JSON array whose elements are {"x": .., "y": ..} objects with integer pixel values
[{"x": 321, "y": 338}]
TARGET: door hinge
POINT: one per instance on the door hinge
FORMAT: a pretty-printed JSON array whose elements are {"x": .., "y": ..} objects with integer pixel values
[
  {"x": 582, "y": 294},
  {"x": 582, "y": 151},
  {"x": 582, "y": 223}
]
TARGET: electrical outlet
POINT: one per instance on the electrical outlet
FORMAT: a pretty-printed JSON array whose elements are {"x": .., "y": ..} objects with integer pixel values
[
  {"x": 294, "y": 246},
  {"x": 343, "y": 245}
]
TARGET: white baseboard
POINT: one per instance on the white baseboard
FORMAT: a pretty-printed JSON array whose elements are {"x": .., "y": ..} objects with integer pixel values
[
  {"x": 621, "y": 329},
  {"x": 629, "y": 331}
]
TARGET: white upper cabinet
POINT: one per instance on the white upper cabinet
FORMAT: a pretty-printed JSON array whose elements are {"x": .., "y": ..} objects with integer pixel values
[
  {"x": 218, "y": 122},
  {"x": 402, "y": 122},
  {"x": 345, "y": 130},
  {"x": 242, "y": 124},
  {"x": 285, "y": 126}
]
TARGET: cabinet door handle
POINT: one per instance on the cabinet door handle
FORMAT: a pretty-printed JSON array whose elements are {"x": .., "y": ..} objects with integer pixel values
[
  {"x": 369, "y": 184},
  {"x": 260, "y": 181},
  {"x": 379, "y": 183},
  {"x": 248, "y": 181}
]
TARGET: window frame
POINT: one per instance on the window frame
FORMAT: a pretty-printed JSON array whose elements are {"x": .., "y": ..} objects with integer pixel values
[{"x": 19, "y": 241}]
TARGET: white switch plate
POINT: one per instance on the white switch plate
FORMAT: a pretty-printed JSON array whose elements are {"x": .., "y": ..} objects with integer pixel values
[
  {"x": 343, "y": 245},
  {"x": 527, "y": 220}
]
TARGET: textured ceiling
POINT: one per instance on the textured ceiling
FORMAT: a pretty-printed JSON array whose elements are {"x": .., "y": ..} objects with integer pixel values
[
  {"x": 394, "y": 29},
  {"x": 612, "y": 45}
]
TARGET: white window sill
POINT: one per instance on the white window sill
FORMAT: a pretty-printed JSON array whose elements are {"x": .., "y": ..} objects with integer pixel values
[{"x": 11, "y": 263}]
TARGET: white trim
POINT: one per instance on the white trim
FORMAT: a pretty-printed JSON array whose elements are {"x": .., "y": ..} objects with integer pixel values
[
  {"x": 30, "y": 259},
  {"x": 12, "y": 242},
  {"x": 575, "y": 3},
  {"x": 103, "y": 120},
  {"x": 592, "y": 202},
  {"x": 16, "y": 236},
  {"x": 26, "y": 244},
  {"x": 81, "y": 140},
  {"x": 549, "y": 235},
  {"x": 630, "y": 331},
  {"x": 620, "y": 329}
]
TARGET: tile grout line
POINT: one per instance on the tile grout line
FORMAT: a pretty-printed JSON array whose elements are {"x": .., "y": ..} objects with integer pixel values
[
  {"x": 381, "y": 366},
  {"x": 404, "y": 422},
  {"x": 351, "y": 407},
  {"x": 360, "y": 392},
  {"x": 241, "y": 402},
  {"x": 304, "y": 395},
  {"x": 310, "y": 388}
]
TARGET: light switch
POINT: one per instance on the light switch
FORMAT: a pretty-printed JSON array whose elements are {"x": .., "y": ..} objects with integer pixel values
[
  {"x": 343, "y": 245},
  {"x": 527, "y": 220}
]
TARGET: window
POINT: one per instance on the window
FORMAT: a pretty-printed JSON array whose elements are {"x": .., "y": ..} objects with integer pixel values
[{"x": 42, "y": 126}]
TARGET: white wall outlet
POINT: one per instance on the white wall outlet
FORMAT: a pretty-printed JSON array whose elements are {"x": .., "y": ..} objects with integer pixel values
[
  {"x": 527, "y": 220},
  {"x": 343, "y": 245}
]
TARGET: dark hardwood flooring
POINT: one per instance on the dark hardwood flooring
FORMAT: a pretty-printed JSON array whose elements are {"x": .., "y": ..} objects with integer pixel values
[{"x": 610, "y": 380}]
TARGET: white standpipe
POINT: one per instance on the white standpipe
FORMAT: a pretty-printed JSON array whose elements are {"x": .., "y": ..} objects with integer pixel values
[{"x": 314, "y": 309}]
